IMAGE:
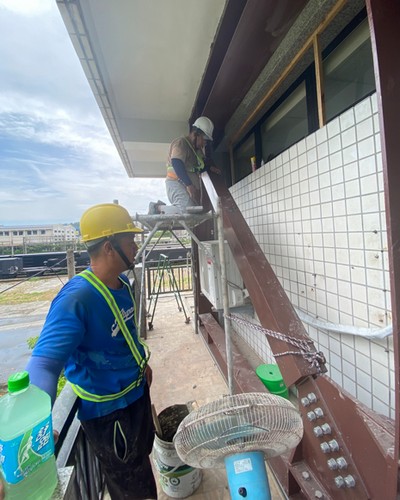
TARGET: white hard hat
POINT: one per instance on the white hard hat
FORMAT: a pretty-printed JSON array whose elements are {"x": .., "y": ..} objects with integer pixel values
[{"x": 206, "y": 126}]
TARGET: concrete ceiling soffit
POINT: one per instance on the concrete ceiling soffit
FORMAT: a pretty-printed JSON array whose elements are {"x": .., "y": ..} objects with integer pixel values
[{"x": 144, "y": 62}]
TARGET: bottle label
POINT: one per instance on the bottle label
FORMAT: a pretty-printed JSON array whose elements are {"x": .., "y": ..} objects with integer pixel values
[{"x": 21, "y": 456}]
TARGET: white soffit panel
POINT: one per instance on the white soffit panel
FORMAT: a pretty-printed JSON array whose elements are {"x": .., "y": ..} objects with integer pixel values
[{"x": 144, "y": 60}]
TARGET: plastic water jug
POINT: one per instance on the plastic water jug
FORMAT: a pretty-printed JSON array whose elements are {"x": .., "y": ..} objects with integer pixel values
[{"x": 27, "y": 462}]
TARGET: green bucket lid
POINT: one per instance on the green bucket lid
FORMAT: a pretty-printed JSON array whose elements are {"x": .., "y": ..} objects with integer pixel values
[
  {"x": 271, "y": 377},
  {"x": 18, "y": 381}
]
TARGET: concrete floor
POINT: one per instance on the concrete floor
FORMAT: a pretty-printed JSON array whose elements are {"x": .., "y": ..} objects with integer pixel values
[{"x": 185, "y": 372}]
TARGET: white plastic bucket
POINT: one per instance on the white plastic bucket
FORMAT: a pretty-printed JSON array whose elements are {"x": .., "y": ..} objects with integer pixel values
[{"x": 177, "y": 479}]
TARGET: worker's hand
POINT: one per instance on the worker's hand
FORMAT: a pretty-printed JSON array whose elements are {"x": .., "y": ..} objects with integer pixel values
[
  {"x": 193, "y": 193},
  {"x": 215, "y": 169},
  {"x": 149, "y": 376}
]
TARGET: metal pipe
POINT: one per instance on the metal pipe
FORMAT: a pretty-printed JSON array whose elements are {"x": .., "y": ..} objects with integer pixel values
[
  {"x": 367, "y": 333},
  {"x": 142, "y": 327},
  {"x": 70, "y": 263},
  {"x": 225, "y": 298},
  {"x": 148, "y": 239}
]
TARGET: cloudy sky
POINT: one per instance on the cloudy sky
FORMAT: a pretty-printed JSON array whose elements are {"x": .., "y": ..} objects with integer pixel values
[{"x": 56, "y": 155}]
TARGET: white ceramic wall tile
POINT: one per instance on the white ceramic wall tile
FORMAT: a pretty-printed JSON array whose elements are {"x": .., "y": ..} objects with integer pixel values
[
  {"x": 349, "y": 385},
  {"x": 380, "y": 407},
  {"x": 333, "y": 127},
  {"x": 380, "y": 391},
  {"x": 336, "y": 375},
  {"x": 367, "y": 166},
  {"x": 366, "y": 147},
  {"x": 352, "y": 188},
  {"x": 336, "y": 159},
  {"x": 318, "y": 212},
  {"x": 322, "y": 150},
  {"x": 350, "y": 154},
  {"x": 365, "y": 129},
  {"x": 349, "y": 137},
  {"x": 369, "y": 184},
  {"x": 346, "y": 120},
  {"x": 363, "y": 110},
  {"x": 374, "y": 103},
  {"x": 349, "y": 370},
  {"x": 364, "y": 396}
]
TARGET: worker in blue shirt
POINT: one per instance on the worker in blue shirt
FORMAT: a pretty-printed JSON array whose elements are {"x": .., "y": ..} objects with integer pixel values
[{"x": 90, "y": 331}]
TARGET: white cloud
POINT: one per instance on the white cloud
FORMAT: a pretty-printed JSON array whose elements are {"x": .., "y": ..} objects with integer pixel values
[
  {"x": 26, "y": 7},
  {"x": 57, "y": 157}
]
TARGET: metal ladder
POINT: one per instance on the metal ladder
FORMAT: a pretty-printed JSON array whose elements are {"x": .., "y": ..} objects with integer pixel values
[{"x": 164, "y": 268}]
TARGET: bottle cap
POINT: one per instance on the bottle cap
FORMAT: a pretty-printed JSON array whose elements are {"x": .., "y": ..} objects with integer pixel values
[{"x": 18, "y": 381}]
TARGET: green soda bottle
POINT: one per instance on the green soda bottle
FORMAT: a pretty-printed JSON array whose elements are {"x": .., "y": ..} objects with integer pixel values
[{"x": 27, "y": 462}]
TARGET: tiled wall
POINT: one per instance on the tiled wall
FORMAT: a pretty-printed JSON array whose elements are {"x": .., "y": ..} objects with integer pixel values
[{"x": 318, "y": 213}]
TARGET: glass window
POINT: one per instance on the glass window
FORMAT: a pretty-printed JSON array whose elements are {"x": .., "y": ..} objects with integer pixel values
[
  {"x": 349, "y": 72},
  {"x": 286, "y": 125},
  {"x": 242, "y": 158}
]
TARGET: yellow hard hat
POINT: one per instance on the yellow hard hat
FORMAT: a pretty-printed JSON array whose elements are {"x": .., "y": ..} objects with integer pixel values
[{"x": 105, "y": 220}]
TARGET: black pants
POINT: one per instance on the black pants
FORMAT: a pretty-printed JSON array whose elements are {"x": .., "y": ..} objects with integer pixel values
[{"x": 122, "y": 441}]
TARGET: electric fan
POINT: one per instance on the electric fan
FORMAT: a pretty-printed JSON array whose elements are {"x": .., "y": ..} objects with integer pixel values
[{"x": 240, "y": 432}]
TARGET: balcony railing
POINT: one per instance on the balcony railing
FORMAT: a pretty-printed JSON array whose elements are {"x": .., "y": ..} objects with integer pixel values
[
  {"x": 182, "y": 272},
  {"x": 79, "y": 470}
]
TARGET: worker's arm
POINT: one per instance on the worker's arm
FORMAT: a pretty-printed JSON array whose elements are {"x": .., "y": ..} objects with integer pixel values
[
  {"x": 62, "y": 332},
  {"x": 180, "y": 171},
  {"x": 44, "y": 373}
]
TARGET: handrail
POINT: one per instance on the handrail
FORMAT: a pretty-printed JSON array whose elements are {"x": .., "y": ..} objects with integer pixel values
[{"x": 72, "y": 449}]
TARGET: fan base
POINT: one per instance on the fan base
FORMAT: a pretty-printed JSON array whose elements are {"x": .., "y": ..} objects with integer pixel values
[{"x": 247, "y": 476}]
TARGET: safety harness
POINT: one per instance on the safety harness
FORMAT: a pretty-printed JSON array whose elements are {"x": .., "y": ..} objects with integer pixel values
[
  {"x": 171, "y": 174},
  {"x": 141, "y": 361}
]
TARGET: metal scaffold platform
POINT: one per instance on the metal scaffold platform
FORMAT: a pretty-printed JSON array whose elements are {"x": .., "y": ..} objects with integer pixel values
[
  {"x": 170, "y": 222},
  {"x": 157, "y": 225}
]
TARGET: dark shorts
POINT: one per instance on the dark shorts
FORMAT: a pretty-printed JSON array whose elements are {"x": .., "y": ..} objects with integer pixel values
[{"x": 122, "y": 441}]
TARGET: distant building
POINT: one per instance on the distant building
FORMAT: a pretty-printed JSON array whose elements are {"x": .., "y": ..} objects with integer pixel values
[{"x": 26, "y": 235}]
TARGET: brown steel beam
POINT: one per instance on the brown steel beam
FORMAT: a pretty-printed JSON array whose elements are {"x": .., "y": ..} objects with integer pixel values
[
  {"x": 384, "y": 22},
  {"x": 364, "y": 440},
  {"x": 246, "y": 40},
  {"x": 273, "y": 307},
  {"x": 359, "y": 439},
  {"x": 245, "y": 380}
]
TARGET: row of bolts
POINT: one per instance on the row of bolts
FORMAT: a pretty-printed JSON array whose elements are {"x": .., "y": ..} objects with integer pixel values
[{"x": 331, "y": 446}]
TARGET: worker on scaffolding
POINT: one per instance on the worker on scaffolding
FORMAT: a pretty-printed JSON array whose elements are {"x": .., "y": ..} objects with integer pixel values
[
  {"x": 187, "y": 159},
  {"x": 91, "y": 332}
]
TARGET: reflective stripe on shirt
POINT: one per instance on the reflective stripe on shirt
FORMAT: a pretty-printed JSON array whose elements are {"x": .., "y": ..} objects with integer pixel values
[{"x": 141, "y": 361}]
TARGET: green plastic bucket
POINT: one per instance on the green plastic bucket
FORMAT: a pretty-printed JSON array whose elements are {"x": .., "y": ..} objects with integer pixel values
[{"x": 270, "y": 375}]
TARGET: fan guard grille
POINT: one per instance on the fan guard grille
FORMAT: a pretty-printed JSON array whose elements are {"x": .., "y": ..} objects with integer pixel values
[{"x": 238, "y": 424}]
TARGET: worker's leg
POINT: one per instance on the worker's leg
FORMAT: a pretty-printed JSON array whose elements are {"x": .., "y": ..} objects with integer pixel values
[
  {"x": 178, "y": 196},
  {"x": 122, "y": 441}
]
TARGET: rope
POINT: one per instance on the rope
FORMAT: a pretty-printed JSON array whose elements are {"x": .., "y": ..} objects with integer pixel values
[{"x": 304, "y": 346}]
